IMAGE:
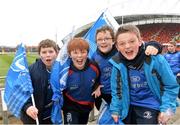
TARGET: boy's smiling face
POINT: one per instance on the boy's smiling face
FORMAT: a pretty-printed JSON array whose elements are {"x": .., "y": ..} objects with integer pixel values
[
  {"x": 128, "y": 44},
  {"x": 79, "y": 58},
  {"x": 104, "y": 41},
  {"x": 48, "y": 55}
]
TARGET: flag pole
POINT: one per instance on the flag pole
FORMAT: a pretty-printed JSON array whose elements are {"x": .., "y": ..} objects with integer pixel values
[
  {"x": 33, "y": 102},
  {"x": 72, "y": 32}
]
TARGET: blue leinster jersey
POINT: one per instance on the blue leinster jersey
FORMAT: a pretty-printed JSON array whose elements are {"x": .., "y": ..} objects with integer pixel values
[{"x": 140, "y": 93}]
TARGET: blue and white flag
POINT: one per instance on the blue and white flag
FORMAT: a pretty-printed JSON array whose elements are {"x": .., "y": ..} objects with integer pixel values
[
  {"x": 105, "y": 19},
  {"x": 61, "y": 66},
  {"x": 18, "y": 85},
  {"x": 58, "y": 79},
  {"x": 105, "y": 117}
]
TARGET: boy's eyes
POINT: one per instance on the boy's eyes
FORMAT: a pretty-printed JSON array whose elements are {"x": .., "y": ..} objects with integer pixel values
[
  {"x": 124, "y": 43},
  {"x": 105, "y": 39},
  {"x": 44, "y": 52},
  {"x": 83, "y": 51},
  {"x": 121, "y": 44},
  {"x": 132, "y": 41}
]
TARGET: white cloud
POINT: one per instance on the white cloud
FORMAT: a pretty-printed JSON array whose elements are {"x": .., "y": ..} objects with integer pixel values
[{"x": 31, "y": 21}]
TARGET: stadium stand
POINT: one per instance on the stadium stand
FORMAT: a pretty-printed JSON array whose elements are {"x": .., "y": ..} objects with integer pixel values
[{"x": 160, "y": 32}]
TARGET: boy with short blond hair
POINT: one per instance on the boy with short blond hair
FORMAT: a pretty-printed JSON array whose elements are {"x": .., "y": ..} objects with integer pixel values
[{"x": 136, "y": 80}]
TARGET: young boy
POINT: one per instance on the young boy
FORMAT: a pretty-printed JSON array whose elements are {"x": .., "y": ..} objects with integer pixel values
[
  {"x": 40, "y": 74},
  {"x": 144, "y": 89},
  {"x": 105, "y": 50},
  {"x": 173, "y": 58},
  {"x": 82, "y": 81}
]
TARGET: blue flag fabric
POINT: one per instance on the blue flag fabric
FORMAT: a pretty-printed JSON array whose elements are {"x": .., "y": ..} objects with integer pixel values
[
  {"x": 59, "y": 74},
  {"x": 104, "y": 19},
  {"x": 90, "y": 35},
  {"x": 60, "y": 68},
  {"x": 18, "y": 85},
  {"x": 105, "y": 116}
]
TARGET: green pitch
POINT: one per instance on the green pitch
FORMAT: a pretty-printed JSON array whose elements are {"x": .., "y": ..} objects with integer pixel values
[{"x": 6, "y": 60}]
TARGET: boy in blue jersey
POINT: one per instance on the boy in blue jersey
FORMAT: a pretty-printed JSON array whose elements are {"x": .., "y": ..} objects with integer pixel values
[
  {"x": 144, "y": 89},
  {"x": 82, "y": 83},
  {"x": 105, "y": 50},
  {"x": 173, "y": 58}
]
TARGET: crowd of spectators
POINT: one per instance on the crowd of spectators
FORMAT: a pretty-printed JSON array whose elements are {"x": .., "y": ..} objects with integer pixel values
[{"x": 162, "y": 33}]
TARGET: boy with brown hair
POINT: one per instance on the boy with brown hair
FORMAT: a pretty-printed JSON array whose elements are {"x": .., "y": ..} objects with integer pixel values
[
  {"x": 137, "y": 97},
  {"x": 40, "y": 74},
  {"x": 105, "y": 50}
]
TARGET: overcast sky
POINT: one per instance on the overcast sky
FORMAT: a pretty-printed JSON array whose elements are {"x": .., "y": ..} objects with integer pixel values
[{"x": 30, "y": 21}]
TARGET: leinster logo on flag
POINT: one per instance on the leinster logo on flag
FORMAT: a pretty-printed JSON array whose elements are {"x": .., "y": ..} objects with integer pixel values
[{"x": 19, "y": 64}]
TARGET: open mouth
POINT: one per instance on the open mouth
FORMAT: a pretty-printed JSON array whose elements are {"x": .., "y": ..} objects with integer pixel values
[
  {"x": 48, "y": 60},
  {"x": 79, "y": 62},
  {"x": 104, "y": 46},
  {"x": 129, "y": 52}
]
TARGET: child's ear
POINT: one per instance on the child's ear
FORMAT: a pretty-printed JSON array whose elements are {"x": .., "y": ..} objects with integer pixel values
[
  {"x": 116, "y": 46},
  {"x": 140, "y": 42}
]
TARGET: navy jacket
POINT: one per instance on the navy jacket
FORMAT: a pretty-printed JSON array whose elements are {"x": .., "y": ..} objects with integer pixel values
[
  {"x": 80, "y": 85},
  {"x": 39, "y": 77}
]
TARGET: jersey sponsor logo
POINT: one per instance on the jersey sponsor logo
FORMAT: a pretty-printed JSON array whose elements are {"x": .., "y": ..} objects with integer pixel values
[
  {"x": 147, "y": 115},
  {"x": 69, "y": 117},
  {"x": 74, "y": 86},
  {"x": 135, "y": 79}
]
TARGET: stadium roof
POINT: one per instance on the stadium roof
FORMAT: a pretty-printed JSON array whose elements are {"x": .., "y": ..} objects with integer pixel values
[
  {"x": 132, "y": 18},
  {"x": 128, "y": 11},
  {"x": 145, "y": 9},
  {"x": 141, "y": 7}
]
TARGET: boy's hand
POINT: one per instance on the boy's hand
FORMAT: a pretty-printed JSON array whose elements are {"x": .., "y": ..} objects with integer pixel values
[
  {"x": 32, "y": 112},
  {"x": 150, "y": 50},
  {"x": 97, "y": 92},
  {"x": 163, "y": 118},
  {"x": 115, "y": 118}
]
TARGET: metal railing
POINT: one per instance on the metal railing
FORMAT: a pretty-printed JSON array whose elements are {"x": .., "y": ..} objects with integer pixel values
[{"x": 3, "y": 108}]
